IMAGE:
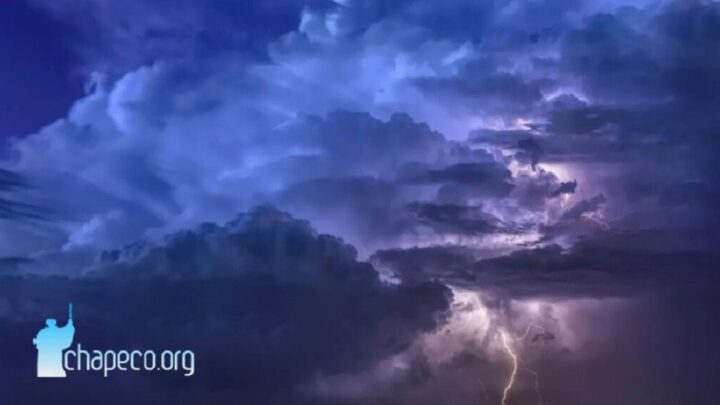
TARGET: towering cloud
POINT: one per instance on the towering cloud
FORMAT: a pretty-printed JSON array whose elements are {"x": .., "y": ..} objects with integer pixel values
[{"x": 552, "y": 163}]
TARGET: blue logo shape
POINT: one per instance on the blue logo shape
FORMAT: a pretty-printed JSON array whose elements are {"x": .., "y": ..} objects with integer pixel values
[{"x": 50, "y": 343}]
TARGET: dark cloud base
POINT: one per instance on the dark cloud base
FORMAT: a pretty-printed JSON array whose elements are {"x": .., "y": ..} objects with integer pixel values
[{"x": 275, "y": 305}]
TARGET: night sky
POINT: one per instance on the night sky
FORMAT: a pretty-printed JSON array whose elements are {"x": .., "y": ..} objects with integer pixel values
[
  {"x": 509, "y": 202},
  {"x": 39, "y": 79}
]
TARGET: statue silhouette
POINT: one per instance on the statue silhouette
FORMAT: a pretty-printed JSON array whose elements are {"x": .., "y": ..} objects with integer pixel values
[{"x": 50, "y": 342}]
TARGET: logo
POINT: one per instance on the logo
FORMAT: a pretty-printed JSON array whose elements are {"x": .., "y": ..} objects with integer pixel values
[
  {"x": 50, "y": 343},
  {"x": 55, "y": 361}
]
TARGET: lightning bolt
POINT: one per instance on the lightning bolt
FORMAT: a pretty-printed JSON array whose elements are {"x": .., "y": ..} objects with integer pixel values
[
  {"x": 516, "y": 361},
  {"x": 514, "y": 357},
  {"x": 537, "y": 380}
]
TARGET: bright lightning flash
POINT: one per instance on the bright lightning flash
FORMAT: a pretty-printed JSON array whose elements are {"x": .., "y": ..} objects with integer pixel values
[
  {"x": 517, "y": 360},
  {"x": 514, "y": 357}
]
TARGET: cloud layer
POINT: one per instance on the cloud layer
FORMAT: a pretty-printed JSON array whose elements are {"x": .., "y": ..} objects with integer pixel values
[{"x": 264, "y": 301}]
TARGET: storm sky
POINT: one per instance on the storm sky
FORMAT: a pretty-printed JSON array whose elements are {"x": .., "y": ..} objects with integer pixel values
[{"x": 366, "y": 201}]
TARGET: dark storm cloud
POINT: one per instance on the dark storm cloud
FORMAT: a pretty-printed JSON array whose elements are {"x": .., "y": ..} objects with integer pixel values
[
  {"x": 584, "y": 120},
  {"x": 10, "y": 208},
  {"x": 461, "y": 182},
  {"x": 610, "y": 53},
  {"x": 358, "y": 143},
  {"x": 666, "y": 56},
  {"x": 466, "y": 173},
  {"x": 566, "y": 187},
  {"x": 508, "y": 137},
  {"x": 692, "y": 195},
  {"x": 533, "y": 149},
  {"x": 636, "y": 121},
  {"x": 490, "y": 91},
  {"x": 642, "y": 87},
  {"x": 264, "y": 301},
  {"x": 533, "y": 190},
  {"x": 12, "y": 265},
  {"x": 597, "y": 268},
  {"x": 10, "y": 180},
  {"x": 450, "y": 218},
  {"x": 365, "y": 205},
  {"x": 360, "y": 173},
  {"x": 436, "y": 262},
  {"x": 651, "y": 73},
  {"x": 606, "y": 265},
  {"x": 583, "y": 207}
]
